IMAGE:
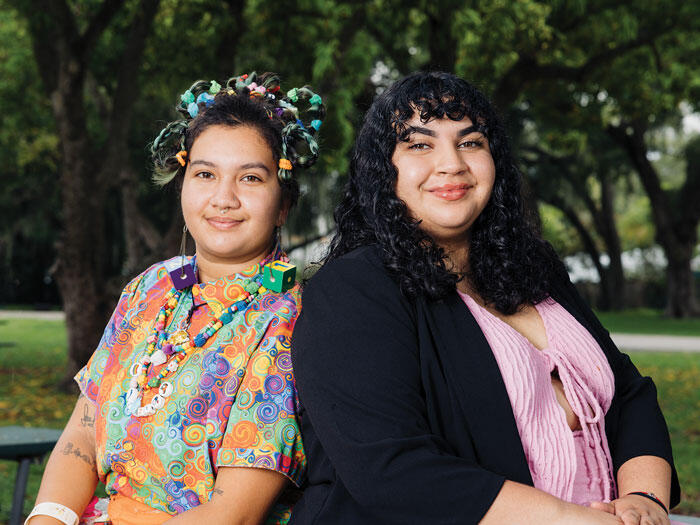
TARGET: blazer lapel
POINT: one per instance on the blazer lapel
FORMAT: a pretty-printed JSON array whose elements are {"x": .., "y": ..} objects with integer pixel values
[{"x": 473, "y": 372}]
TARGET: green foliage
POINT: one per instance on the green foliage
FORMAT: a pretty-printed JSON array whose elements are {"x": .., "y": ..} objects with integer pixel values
[
  {"x": 29, "y": 168},
  {"x": 648, "y": 321},
  {"x": 677, "y": 379},
  {"x": 558, "y": 231}
]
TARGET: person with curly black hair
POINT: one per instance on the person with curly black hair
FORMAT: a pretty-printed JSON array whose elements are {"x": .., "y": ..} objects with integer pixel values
[
  {"x": 447, "y": 369},
  {"x": 188, "y": 406}
]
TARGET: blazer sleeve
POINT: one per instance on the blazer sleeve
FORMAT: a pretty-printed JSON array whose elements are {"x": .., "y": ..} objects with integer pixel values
[
  {"x": 635, "y": 424},
  {"x": 357, "y": 368}
]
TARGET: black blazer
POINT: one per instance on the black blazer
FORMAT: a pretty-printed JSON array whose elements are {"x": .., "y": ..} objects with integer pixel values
[{"x": 404, "y": 414}]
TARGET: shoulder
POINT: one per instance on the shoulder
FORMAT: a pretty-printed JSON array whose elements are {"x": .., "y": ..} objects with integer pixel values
[
  {"x": 357, "y": 283},
  {"x": 155, "y": 277},
  {"x": 362, "y": 267},
  {"x": 284, "y": 306}
]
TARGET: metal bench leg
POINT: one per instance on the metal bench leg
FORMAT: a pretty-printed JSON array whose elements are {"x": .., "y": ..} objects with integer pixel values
[{"x": 20, "y": 490}]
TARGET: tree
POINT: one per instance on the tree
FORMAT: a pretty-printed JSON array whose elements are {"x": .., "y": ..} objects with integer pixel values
[
  {"x": 676, "y": 216},
  {"x": 63, "y": 54}
]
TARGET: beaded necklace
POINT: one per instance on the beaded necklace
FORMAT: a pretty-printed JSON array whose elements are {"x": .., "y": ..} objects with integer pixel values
[{"x": 177, "y": 347}]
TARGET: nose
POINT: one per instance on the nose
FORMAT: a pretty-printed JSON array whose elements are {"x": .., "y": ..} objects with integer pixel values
[
  {"x": 450, "y": 161},
  {"x": 224, "y": 195}
]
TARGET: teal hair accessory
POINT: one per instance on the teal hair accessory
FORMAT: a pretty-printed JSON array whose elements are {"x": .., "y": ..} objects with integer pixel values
[
  {"x": 187, "y": 97},
  {"x": 206, "y": 99},
  {"x": 299, "y": 147}
]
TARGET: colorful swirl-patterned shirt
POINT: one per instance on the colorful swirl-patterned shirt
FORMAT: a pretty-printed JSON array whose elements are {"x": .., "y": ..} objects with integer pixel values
[{"x": 233, "y": 402}]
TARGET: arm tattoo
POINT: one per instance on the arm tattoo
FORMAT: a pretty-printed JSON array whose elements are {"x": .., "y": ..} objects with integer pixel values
[
  {"x": 87, "y": 420},
  {"x": 70, "y": 450},
  {"x": 217, "y": 492}
]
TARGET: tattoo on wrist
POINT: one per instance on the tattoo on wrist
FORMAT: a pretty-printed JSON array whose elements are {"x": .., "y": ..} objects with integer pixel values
[{"x": 72, "y": 450}]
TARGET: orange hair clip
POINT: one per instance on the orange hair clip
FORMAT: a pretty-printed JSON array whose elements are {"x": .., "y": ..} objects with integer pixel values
[
  {"x": 285, "y": 164},
  {"x": 181, "y": 157}
]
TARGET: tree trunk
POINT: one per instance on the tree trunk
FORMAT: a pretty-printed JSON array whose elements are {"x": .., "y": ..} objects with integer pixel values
[
  {"x": 671, "y": 230},
  {"x": 79, "y": 268},
  {"x": 590, "y": 246},
  {"x": 681, "y": 284},
  {"x": 63, "y": 55},
  {"x": 605, "y": 222}
]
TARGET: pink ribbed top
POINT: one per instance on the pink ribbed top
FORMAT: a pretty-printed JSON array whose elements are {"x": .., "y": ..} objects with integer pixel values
[{"x": 572, "y": 465}]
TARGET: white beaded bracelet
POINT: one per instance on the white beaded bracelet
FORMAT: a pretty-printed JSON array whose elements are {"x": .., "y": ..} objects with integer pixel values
[{"x": 54, "y": 510}]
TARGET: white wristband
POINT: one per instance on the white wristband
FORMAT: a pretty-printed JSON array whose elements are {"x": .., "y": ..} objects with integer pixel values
[{"x": 54, "y": 510}]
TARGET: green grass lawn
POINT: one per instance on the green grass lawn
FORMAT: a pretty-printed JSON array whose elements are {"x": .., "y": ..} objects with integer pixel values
[
  {"x": 32, "y": 357},
  {"x": 648, "y": 321}
]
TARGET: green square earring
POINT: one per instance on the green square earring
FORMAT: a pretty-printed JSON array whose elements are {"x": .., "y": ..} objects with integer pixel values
[{"x": 279, "y": 276}]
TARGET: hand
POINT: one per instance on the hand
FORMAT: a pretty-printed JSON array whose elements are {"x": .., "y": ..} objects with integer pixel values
[
  {"x": 578, "y": 514},
  {"x": 634, "y": 510}
]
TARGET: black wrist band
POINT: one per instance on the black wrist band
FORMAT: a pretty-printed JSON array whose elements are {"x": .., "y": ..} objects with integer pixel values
[{"x": 650, "y": 496}]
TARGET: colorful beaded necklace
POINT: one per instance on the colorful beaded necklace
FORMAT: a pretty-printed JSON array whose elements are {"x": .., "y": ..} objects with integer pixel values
[{"x": 177, "y": 347}]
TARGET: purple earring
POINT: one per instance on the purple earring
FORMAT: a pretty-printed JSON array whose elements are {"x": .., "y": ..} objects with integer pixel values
[{"x": 183, "y": 277}]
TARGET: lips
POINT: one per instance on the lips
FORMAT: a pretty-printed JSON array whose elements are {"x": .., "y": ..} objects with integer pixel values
[
  {"x": 223, "y": 223},
  {"x": 450, "y": 192}
]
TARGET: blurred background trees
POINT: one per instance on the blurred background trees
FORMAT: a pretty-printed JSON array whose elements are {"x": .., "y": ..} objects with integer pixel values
[{"x": 600, "y": 99}]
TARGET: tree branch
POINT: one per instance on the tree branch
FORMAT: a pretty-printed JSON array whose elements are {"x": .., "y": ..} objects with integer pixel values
[
  {"x": 127, "y": 88},
  {"x": 527, "y": 70},
  {"x": 53, "y": 29},
  {"x": 97, "y": 26}
]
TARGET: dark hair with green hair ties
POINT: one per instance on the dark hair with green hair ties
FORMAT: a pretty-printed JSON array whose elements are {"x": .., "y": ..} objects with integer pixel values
[{"x": 247, "y": 100}]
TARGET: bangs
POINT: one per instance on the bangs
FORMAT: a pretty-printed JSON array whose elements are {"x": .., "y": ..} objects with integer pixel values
[{"x": 436, "y": 96}]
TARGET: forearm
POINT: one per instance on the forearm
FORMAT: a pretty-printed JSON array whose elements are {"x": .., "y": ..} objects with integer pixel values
[
  {"x": 645, "y": 474},
  {"x": 241, "y": 496},
  {"x": 214, "y": 512},
  {"x": 525, "y": 505},
  {"x": 70, "y": 476}
]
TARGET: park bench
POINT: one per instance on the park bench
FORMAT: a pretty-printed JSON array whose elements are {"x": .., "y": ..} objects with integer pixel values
[{"x": 24, "y": 445}]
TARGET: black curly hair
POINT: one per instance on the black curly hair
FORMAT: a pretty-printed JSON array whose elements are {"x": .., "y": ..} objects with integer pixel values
[
  {"x": 272, "y": 113},
  {"x": 509, "y": 264}
]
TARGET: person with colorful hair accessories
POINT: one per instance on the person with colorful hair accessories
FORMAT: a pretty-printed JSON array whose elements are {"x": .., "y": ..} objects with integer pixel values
[
  {"x": 448, "y": 372},
  {"x": 188, "y": 406}
]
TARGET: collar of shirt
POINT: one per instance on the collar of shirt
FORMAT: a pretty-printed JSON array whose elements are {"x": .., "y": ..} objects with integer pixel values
[{"x": 220, "y": 293}]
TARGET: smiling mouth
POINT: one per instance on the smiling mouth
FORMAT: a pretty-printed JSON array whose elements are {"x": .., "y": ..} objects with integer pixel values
[
  {"x": 450, "y": 192},
  {"x": 221, "y": 223}
]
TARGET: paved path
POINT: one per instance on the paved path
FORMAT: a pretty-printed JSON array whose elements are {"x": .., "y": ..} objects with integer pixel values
[
  {"x": 685, "y": 519},
  {"x": 656, "y": 343},
  {"x": 51, "y": 315}
]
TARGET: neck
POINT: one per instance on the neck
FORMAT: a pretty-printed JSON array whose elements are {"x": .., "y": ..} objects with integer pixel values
[
  {"x": 458, "y": 262},
  {"x": 457, "y": 258},
  {"x": 212, "y": 268}
]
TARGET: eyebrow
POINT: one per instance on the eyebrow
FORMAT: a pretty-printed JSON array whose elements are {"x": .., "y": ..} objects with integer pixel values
[
  {"x": 251, "y": 165},
  {"x": 204, "y": 162},
  {"x": 430, "y": 133},
  {"x": 246, "y": 166}
]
